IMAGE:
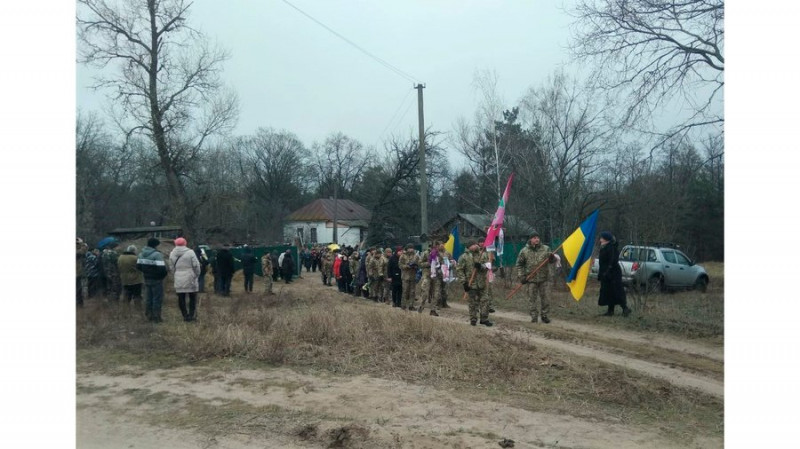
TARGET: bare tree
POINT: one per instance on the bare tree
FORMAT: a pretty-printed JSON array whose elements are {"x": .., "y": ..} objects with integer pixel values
[
  {"x": 571, "y": 132},
  {"x": 652, "y": 51},
  {"x": 339, "y": 163},
  {"x": 167, "y": 82}
]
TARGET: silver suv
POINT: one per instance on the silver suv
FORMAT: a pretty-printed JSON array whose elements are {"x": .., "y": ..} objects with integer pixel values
[{"x": 658, "y": 267}]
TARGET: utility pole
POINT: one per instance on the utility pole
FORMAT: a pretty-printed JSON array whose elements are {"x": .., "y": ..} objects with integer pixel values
[
  {"x": 423, "y": 175},
  {"x": 335, "y": 209}
]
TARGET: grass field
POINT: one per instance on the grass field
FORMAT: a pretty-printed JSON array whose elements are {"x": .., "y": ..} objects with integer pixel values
[{"x": 351, "y": 337}]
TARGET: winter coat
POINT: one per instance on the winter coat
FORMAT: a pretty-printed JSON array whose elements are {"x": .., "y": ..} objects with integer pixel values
[
  {"x": 202, "y": 258},
  {"x": 529, "y": 259},
  {"x": 249, "y": 263},
  {"x": 288, "y": 264},
  {"x": 336, "y": 267},
  {"x": 393, "y": 269},
  {"x": 225, "y": 263},
  {"x": 361, "y": 273},
  {"x": 91, "y": 265},
  {"x": 344, "y": 271},
  {"x": 151, "y": 264},
  {"x": 466, "y": 266},
  {"x": 185, "y": 268},
  {"x": 128, "y": 274},
  {"x": 609, "y": 274}
]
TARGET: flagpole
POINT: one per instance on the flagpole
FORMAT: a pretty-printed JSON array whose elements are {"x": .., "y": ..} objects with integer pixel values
[{"x": 529, "y": 276}]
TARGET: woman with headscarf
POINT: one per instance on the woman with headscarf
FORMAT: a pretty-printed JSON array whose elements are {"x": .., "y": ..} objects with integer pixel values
[
  {"x": 612, "y": 291},
  {"x": 130, "y": 277},
  {"x": 186, "y": 270}
]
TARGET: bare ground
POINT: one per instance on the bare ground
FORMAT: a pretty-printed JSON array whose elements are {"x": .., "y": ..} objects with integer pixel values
[{"x": 282, "y": 408}]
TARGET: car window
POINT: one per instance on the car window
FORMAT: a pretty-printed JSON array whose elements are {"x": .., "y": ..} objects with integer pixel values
[
  {"x": 651, "y": 256},
  {"x": 683, "y": 260},
  {"x": 669, "y": 256},
  {"x": 626, "y": 254}
]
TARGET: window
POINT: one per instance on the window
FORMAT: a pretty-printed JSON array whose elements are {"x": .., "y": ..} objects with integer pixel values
[
  {"x": 313, "y": 235},
  {"x": 683, "y": 260},
  {"x": 651, "y": 255},
  {"x": 669, "y": 256},
  {"x": 300, "y": 233}
]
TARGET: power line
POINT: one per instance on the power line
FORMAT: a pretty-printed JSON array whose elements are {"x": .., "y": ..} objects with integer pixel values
[
  {"x": 394, "y": 69},
  {"x": 394, "y": 116}
]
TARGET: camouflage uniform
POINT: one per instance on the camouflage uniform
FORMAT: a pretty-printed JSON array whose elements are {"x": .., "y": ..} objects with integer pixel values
[
  {"x": 376, "y": 271},
  {"x": 327, "y": 268},
  {"x": 383, "y": 278},
  {"x": 478, "y": 299},
  {"x": 529, "y": 259},
  {"x": 431, "y": 291},
  {"x": 408, "y": 271},
  {"x": 266, "y": 270},
  {"x": 111, "y": 273}
]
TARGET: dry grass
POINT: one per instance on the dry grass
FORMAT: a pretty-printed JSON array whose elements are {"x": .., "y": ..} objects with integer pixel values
[
  {"x": 350, "y": 337},
  {"x": 688, "y": 314}
]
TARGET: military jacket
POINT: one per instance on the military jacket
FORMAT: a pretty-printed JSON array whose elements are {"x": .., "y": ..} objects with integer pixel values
[
  {"x": 466, "y": 265},
  {"x": 266, "y": 265},
  {"x": 529, "y": 259},
  {"x": 408, "y": 265}
]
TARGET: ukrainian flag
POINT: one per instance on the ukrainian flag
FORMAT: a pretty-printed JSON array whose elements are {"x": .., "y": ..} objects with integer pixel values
[
  {"x": 452, "y": 245},
  {"x": 578, "y": 251}
]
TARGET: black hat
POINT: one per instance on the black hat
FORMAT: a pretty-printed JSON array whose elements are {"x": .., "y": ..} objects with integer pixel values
[
  {"x": 605, "y": 235},
  {"x": 534, "y": 234},
  {"x": 153, "y": 242}
]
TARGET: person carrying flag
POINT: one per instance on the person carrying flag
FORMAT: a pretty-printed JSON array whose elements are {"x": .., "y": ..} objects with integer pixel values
[{"x": 529, "y": 259}]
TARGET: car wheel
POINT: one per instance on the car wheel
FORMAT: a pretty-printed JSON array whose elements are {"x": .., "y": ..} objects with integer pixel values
[
  {"x": 655, "y": 284},
  {"x": 701, "y": 284}
]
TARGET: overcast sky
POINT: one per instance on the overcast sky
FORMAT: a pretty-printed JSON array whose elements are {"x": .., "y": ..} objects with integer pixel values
[{"x": 291, "y": 73}]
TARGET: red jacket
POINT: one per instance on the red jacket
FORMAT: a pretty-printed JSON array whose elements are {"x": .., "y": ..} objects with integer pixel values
[{"x": 336, "y": 264}]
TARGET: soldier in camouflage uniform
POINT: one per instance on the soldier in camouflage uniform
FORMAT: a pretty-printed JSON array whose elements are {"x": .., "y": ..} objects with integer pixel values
[
  {"x": 370, "y": 287},
  {"x": 266, "y": 272},
  {"x": 327, "y": 268},
  {"x": 472, "y": 275},
  {"x": 431, "y": 281},
  {"x": 111, "y": 272},
  {"x": 409, "y": 261},
  {"x": 375, "y": 275},
  {"x": 385, "y": 279},
  {"x": 529, "y": 259}
]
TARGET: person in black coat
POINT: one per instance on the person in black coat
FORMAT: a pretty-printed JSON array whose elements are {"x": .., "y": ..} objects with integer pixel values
[
  {"x": 225, "y": 269},
  {"x": 612, "y": 292},
  {"x": 249, "y": 262},
  {"x": 393, "y": 269},
  {"x": 276, "y": 267},
  {"x": 287, "y": 268},
  {"x": 347, "y": 275}
]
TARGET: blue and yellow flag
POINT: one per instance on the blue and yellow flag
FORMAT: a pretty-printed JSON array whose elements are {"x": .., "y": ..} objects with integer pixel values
[
  {"x": 453, "y": 245},
  {"x": 578, "y": 251}
]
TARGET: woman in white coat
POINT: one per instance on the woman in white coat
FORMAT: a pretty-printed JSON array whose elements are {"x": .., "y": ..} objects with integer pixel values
[{"x": 186, "y": 270}]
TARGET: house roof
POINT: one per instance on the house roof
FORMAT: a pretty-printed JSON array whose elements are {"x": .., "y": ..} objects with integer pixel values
[
  {"x": 145, "y": 229},
  {"x": 513, "y": 225},
  {"x": 322, "y": 210}
]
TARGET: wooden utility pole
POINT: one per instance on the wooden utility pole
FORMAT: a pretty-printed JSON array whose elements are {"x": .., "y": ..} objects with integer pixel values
[{"x": 423, "y": 175}]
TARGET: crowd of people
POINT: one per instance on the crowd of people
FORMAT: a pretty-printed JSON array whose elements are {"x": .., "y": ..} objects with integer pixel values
[{"x": 401, "y": 276}]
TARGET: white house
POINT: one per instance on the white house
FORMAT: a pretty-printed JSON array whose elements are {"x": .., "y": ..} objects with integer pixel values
[{"x": 313, "y": 223}]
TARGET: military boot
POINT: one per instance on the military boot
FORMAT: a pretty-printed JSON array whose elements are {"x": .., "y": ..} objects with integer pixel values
[{"x": 487, "y": 323}]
